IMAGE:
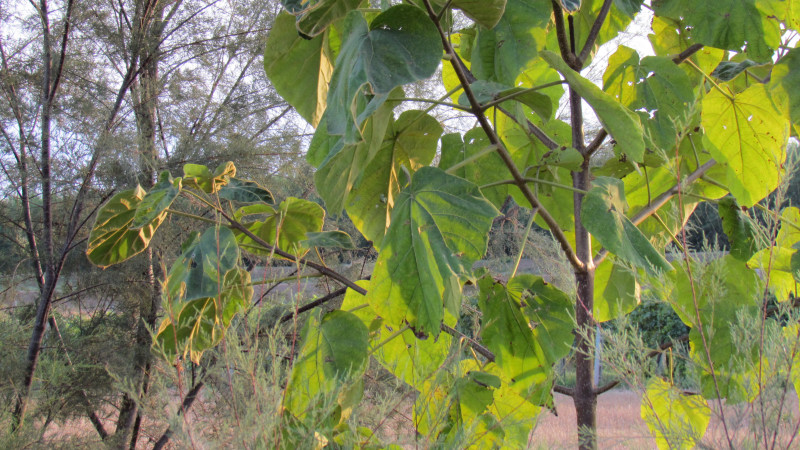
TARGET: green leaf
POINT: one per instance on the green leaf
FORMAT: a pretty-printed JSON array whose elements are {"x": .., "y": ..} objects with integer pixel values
[
  {"x": 728, "y": 70},
  {"x": 410, "y": 144},
  {"x": 739, "y": 229},
  {"x": 289, "y": 222},
  {"x": 201, "y": 266},
  {"x": 501, "y": 53},
  {"x": 201, "y": 323},
  {"x": 732, "y": 25},
  {"x": 617, "y": 291},
  {"x": 155, "y": 203},
  {"x": 507, "y": 333},
  {"x": 623, "y": 125},
  {"x": 655, "y": 85},
  {"x": 400, "y": 46},
  {"x": 111, "y": 240},
  {"x": 481, "y": 171},
  {"x": 718, "y": 292},
  {"x": 747, "y": 133},
  {"x": 551, "y": 311},
  {"x": 333, "y": 355},
  {"x": 323, "y": 13},
  {"x": 676, "y": 420},
  {"x": 616, "y": 21},
  {"x": 571, "y": 5},
  {"x": 603, "y": 215},
  {"x": 329, "y": 239},
  {"x": 784, "y": 82},
  {"x": 484, "y": 12},
  {"x": 298, "y": 68},
  {"x": 440, "y": 225},
  {"x": 200, "y": 177},
  {"x": 243, "y": 191}
]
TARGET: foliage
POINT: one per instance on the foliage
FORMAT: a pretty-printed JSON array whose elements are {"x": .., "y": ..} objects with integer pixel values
[{"x": 680, "y": 134}]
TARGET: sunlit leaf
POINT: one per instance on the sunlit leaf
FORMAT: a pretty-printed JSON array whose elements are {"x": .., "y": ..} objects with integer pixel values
[
  {"x": 287, "y": 224},
  {"x": 200, "y": 177},
  {"x": 298, "y": 68},
  {"x": 439, "y": 226},
  {"x": 675, "y": 419},
  {"x": 620, "y": 122},
  {"x": 603, "y": 215},
  {"x": 746, "y": 132},
  {"x": 111, "y": 240}
]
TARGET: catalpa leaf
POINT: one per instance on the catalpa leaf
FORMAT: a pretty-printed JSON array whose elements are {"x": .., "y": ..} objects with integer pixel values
[
  {"x": 298, "y": 68},
  {"x": 319, "y": 15},
  {"x": 155, "y": 203},
  {"x": 603, "y": 215},
  {"x": 623, "y": 125},
  {"x": 747, "y": 133},
  {"x": 675, "y": 419},
  {"x": 503, "y": 52},
  {"x": 201, "y": 266},
  {"x": 285, "y": 225},
  {"x": 329, "y": 239},
  {"x": 200, "y": 177},
  {"x": 243, "y": 191},
  {"x": 484, "y": 12},
  {"x": 439, "y": 226},
  {"x": 410, "y": 144},
  {"x": 112, "y": 240}
]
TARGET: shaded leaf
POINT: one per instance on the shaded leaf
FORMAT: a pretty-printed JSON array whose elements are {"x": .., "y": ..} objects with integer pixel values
[
  {"x": 243, "y": 191},
  {"x": 201, "y": 266},
  {"x": 331, "y": 239},
  {"x": 728, "y": 70},
  {"x": 484, "y": 12},
  {"x": 200, "y": 177},
  {"x": 321, "y": 14},
  {"x": 739, "y": 228}
]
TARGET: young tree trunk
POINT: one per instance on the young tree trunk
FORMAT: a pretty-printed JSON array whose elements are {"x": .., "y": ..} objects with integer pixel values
[{"x": 145, "y": 95}]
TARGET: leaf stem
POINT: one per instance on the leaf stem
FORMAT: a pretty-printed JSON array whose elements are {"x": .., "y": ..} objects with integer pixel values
[
  {"x": 522, "y": 92},
  {"x": 709, "y": 79},
  {"x": 537, "y": 181}
]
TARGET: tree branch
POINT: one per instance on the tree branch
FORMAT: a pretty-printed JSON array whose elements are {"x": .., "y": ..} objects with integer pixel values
[
  {"x": 561, "y": 33},
  {"x": 563, "y": 390},
  {"x": 684, "y": 55},
  {"x": 595, "y": 31}
]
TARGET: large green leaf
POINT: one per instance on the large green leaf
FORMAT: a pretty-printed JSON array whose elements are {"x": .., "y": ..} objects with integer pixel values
[
  {"x": 439, "y": 226},
  {"x": 617, "y": 20},
  {"x": 112, "y": 240},
  {"x": 298, "y": 68},
  {"x": 676, "y": 420},
  {"x": 623, "y": 125},
  {"x": 400, "y": 46},
  {"x": 289, "y": 223},
  {"x": 333, "y": 355},
  {"x": 746, "y": 132},
  {"x": 155, "y": 203},
  {"x": 507, "y": 333},
  {"x": 342, "y": 165},
  {"x": 672, "y": 35},
  {"x": 201, "y": 266},
  {"x": 501, "y": 53},
  {"x": 410, "y": 143},
  {"x": 617, "y": 291},
  {"x": 784, "y": 84},
  {"x": 195, "y": 326},
  {"x": 329, "y": 239},
  {"x": 657, "y": 85},
  {"x": 481, "y": 171},
  {"x": 603, "y": 215},
  {"x": 550, "y": 309},
  {"x": 727, "y": 24},
  {"x": 718, "y": 293}
]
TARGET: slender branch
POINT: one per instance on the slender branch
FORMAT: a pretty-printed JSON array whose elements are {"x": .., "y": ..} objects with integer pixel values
[
  {"x": 563, "y": 390},
  {"x": 606, "y": 387},
  {"x": 513, "y": 95},
  {"x": 561, "y": 33},
  {"x": 537, "y": 181},
  {"x": 533, "y": 129},
  {"x": 595, "y": 31},
  {"x": 311, "y": 305},
  {"x": 596, "y": 142},
  {"x": 485, "y": 352}
]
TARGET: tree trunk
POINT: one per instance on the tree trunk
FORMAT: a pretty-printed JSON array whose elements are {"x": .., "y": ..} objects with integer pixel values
[{"x": 145, "y": 95}]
